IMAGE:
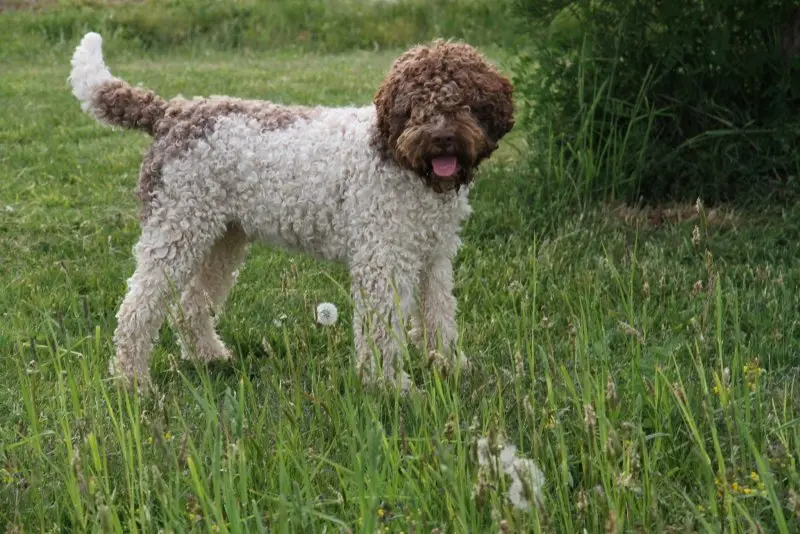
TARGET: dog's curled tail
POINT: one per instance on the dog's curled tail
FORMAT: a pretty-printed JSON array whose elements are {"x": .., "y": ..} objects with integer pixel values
[{"x": 111, "y": 100}]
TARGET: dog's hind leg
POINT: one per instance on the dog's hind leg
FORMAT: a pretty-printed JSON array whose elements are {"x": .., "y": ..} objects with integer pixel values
[
  {"x": 172, "y": 246},
  {"x": 205, "y": 293}
]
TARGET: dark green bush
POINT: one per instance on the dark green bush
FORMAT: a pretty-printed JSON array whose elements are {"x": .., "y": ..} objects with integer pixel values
[{"x": 664, "y": 99}]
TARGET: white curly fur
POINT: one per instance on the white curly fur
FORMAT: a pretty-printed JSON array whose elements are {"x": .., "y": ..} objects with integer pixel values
[
  {"x": 316, "y": 186},
  {"x": 88, "y": 68}
]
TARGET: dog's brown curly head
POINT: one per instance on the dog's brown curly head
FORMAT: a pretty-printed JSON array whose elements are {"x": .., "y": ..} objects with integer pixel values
[{"x": 441, "y": 111}]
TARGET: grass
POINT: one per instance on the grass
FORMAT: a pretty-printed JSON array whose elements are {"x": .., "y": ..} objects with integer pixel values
[
  {"x": 648, "y": 367},
  {"x": 316, "y": 25}
]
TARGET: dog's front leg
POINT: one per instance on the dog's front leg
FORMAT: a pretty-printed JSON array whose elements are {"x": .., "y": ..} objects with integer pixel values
[
  {"x": 382, "y": 300},
  {"x": 438, "y": 310}
]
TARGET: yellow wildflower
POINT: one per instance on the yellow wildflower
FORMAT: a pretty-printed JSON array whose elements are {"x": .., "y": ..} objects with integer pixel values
[
  {"x": 551, "y": 422},
  {"x": 752, "y": 371},
  {"x": 8, "y": 476}
]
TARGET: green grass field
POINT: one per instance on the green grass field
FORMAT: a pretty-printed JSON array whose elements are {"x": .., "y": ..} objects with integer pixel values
[{"x": 646, "y": 360}]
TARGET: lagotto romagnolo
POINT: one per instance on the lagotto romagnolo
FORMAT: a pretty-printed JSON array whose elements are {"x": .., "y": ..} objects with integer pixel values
[{"x": 382, "y": 188}]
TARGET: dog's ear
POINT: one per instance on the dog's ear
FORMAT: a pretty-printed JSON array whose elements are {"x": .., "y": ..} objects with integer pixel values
[
  {"x": 494, "y": 106},
  {"x": 488, "y": 93},
  {"x": 393, "y": 108},
  {"x": 384, "y": 102},
  {"x": 394, "y": 97}
]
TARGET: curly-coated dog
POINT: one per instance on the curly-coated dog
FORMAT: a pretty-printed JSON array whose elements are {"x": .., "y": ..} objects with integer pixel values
[{"x": 382, "y": 188}]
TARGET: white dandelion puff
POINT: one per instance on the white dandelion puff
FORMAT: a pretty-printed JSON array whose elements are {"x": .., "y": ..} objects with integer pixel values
[
  {"x": 507, "y": 456},
  {"x": 484, "y": 456},
  {"x": 278, "y": 321},
  {"x": 516, "y": 494},
  {"x": 327, "y": 314},
  {"x": 527, "y": 481}
]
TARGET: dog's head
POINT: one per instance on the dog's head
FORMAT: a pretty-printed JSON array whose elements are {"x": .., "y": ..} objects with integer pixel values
[{"x": 441, "y": 111}]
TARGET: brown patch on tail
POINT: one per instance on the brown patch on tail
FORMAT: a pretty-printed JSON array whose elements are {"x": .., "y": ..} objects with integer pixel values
[{"x": 121, "y": 104}]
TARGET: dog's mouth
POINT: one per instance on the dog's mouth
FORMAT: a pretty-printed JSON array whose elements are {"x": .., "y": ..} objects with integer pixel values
[
  {"x": 446, "y": 172},
  {"x": 445, "y": 167}
]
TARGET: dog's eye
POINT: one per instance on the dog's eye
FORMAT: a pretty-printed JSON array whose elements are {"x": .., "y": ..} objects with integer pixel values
[
  {"x": 479, "y": 112},
  {"x": 484, "y": 122},
  {"x": 486, "y": 117}
]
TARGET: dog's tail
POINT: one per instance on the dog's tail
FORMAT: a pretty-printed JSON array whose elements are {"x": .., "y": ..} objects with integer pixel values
[{"x": 111, "y": 100}]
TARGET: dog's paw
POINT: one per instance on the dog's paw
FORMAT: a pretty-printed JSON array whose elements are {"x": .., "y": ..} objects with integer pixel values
[
  {"x": 208, "y": 352},
  {"x": 449, "y": 364},
  {"x": 404, "y": 383},
  {"x": 129, "y": 378},
  {"x": 461, "y": 363},
  {"x": 401, "y": 381}
]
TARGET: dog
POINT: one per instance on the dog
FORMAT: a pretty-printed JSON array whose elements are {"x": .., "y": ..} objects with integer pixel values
[{"x": 382, "y": 188}]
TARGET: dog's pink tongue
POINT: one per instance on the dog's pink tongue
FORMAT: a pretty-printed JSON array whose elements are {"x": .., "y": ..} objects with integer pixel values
[{"x": 444, "y": 166}]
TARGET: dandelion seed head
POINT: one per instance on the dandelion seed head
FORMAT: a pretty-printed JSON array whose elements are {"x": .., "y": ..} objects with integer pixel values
[
  {"x": 516, "y": 494},
  {"x": 278, "y": 321},
  {"x": 507, "y": 456},
  {"x": 527, "y": 481},
  {"x": 484, "y": 457},
  {"x": 327, "y": 314}
]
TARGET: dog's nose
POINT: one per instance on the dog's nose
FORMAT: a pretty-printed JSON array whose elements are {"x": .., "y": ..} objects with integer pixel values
[{"x": 443, "y": 137}]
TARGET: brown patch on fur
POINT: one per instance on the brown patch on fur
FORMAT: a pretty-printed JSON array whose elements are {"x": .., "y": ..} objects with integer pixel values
[
  {"x": 121, "y": 104},
  {"x": 186, "y": 121},
  {"x": 444, "y": 87}
]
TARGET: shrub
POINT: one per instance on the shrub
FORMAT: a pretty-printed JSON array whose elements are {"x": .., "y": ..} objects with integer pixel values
[{"x": 632, "y": 98}]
